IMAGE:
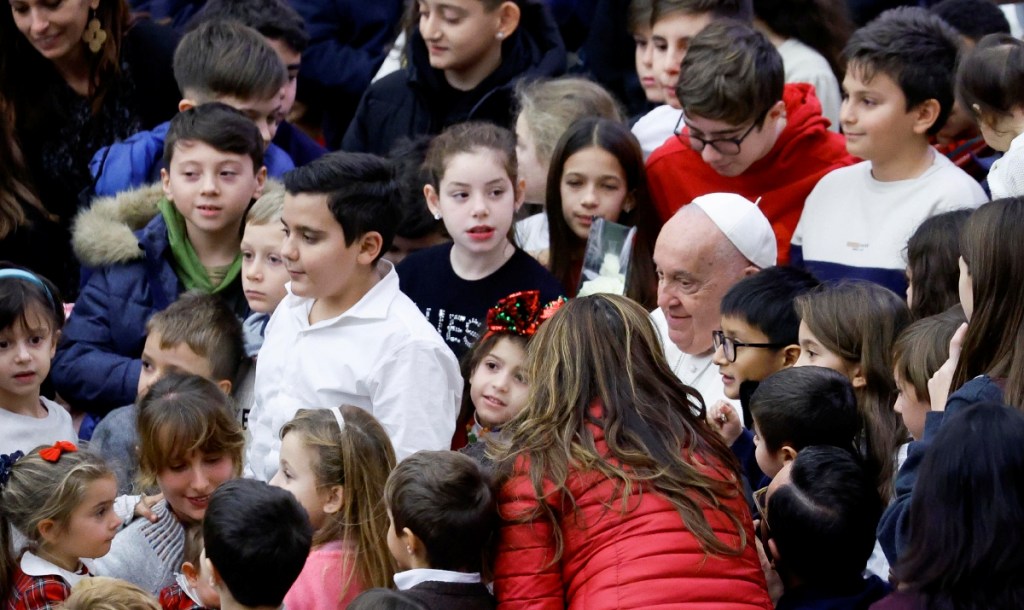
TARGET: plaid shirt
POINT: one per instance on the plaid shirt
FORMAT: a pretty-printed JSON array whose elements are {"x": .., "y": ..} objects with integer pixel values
[
  {"x": 37, "y": 592},
  {"x": 173, "y": 598}
]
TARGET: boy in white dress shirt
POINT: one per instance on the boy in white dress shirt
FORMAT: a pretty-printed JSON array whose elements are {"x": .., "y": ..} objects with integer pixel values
[{"x": 344, "y": 333}]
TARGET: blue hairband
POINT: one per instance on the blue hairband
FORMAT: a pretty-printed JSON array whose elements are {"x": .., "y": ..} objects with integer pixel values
[{"x": 20, "y": 274}]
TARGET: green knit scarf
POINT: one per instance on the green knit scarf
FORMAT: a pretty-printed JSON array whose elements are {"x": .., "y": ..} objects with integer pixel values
[{"x": 187, "y": 266}]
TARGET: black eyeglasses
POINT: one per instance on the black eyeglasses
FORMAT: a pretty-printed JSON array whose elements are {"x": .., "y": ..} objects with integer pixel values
[
  {"x": 726, "y": 146},
  {"x": 729, "y": 345}
]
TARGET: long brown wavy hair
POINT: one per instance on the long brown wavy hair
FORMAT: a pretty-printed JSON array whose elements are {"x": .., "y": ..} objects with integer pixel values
[
  {"x": 603, "y": 349},
  {"x": 20, "y": 66}
]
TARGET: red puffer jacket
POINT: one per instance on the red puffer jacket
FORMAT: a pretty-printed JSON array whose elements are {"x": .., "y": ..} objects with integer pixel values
[{"x": 646, "y": 558}]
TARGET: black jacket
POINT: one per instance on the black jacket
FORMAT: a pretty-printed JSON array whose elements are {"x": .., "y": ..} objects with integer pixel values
[{"x": 418, "y": 100}]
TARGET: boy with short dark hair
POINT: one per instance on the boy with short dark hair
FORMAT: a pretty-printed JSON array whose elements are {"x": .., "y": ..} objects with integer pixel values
[
  {"x": 219, "y": 61},
  {"x": 464, "y": 61},
  {"x": 802, "y": 406},
  {"x": 743, "y": 131},
  {"x": 899, "y": 91},
  {"x": 197, "y": 334},
  {"x": 345, "y": 333},
  {"x": 818, "y": 527},
  {"x": 443, "y": 522},
  {"x": 758, "y": 337},
  {"x": 285, "y": 31},
  {"x": 256, "y": 539},
  {"x": 192, "y": 589},
  {"x": 215, "y": 171},
  {"x": 673, "y": 25}
]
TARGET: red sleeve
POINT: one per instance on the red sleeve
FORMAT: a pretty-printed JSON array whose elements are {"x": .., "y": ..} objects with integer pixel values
[
  {"x": 45, "y": 593},
  {"x": 524, "y": 575}
]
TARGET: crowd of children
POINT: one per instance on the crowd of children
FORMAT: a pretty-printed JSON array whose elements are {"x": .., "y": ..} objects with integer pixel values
[{"x": 369, "y": 378}]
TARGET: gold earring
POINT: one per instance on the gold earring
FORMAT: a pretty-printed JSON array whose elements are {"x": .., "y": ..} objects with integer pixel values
[{"x": 94, "y": 35}]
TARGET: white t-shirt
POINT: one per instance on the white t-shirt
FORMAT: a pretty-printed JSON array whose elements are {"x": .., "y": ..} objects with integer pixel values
[
  {"x": 532, "y": 233},
  {"x": 854, "y": 226},
  {"x": 1006, "y": 177},
  {"x": 655, "y": 127},
  {"x": 805, "y": 65},
  {"x": 381, "y": 355},
  {"x": 24, "y": 433}
]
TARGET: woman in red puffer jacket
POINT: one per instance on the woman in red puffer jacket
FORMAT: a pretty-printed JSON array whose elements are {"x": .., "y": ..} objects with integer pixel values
[{"x": 616, "y": 494}]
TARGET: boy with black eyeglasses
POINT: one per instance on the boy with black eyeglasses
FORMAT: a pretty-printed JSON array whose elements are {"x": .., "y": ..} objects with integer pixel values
[{"x": 744, "y": 131}]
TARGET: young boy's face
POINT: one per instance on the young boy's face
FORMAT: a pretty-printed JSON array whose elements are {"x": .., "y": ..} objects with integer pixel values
[
  {"x": 263, "y": 272},
  {"x": 319, "y": 263},
  {"x": 461, "y": 36},
  {"x": 266, "y": 114},
  {"x": 292, "y": 61},
  {"x": 199, "y": 578},
  {"x": 770, "y": 463},
  {"x": 158, "y": 361},
  {"x": 671, "y": 36},
  {"x": 211, "y": 188},
  {"x": 910, "y": 407},
  {"x": 752, "y": 363},
  {"x": 875, "y": 118},
  {"x": 396, "y": 546},
  {"x": 645, "y": 65},
  {"x": 755, "y": 141}
]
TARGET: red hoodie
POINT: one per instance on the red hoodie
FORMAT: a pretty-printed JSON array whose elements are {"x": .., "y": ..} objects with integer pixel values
[{"x": 805, "y": 151}]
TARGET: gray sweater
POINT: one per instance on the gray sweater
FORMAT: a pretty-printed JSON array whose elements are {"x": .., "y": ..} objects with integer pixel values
[
  {"x": 145, "y": 553},
  {"x": 116, "y": 438}
]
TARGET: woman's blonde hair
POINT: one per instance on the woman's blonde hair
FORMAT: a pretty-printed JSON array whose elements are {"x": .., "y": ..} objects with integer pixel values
[
  {"x": 598, "y": 363},
  {"x": 551, "y": 106},
  {"x": 38, "y": 490},
  {"x": 359, "y": 458},
  {"x": 181, "y": 414},
  {"x": 104, "y": 593}
]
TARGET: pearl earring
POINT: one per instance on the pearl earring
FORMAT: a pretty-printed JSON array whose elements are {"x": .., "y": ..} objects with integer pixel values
[
  {"x": 437, "y": 215},
  {"x": 500, "y": 35}
]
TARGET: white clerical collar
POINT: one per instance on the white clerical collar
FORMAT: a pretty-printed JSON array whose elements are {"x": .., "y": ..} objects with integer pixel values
[
  {"x": 34, "y": 565},
  {"x": 410, "y": 578}
]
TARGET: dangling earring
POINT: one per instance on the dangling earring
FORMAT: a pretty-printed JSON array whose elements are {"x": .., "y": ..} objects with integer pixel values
[{"x": 94, "y": 35}]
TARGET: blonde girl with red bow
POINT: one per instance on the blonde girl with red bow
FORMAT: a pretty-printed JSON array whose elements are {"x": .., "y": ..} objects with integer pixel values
[{"x": 61, "y": 500}]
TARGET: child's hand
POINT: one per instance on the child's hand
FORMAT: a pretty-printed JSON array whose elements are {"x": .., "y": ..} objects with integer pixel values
[
  {"x": 723, "y": 418},
  {"x": 938, "y": 385},
  {"x": 775, "y": 588},
  {"x": 144, "y": 508}
]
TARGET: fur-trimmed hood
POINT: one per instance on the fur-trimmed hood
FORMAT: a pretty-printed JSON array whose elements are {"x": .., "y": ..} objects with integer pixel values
[{"x": 104, "y": 234}]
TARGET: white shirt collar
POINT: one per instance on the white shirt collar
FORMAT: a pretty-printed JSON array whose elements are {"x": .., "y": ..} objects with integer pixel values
[
  {"x": 187, "y": 588},
  {"x": 372, "y": 305},
  {"x": 410, "y": 578},
  {"x": 34, "y": 565}
]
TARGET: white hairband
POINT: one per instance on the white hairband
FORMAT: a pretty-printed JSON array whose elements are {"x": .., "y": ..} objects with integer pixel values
[{"x": 337, "y": 415}]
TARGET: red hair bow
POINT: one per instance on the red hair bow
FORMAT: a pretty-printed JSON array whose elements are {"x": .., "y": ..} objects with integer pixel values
[
  {"x": 52, "y": 454},
  {"x": 521, "y": 313}
]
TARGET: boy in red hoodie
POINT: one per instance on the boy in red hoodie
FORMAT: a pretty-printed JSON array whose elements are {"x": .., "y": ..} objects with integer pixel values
[{"x": 744, "y": 131}]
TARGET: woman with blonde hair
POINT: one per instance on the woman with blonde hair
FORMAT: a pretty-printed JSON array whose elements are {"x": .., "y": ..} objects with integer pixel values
[{"x": 616, "y": 492}]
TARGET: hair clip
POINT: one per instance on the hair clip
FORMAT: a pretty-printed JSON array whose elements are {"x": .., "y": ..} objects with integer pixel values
[
  {"x": 521, "y": 313},
  {"x": 6, "y": 463},
  {"x": 52, "y": 454},
  {"x": 336, "y": 411}
]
